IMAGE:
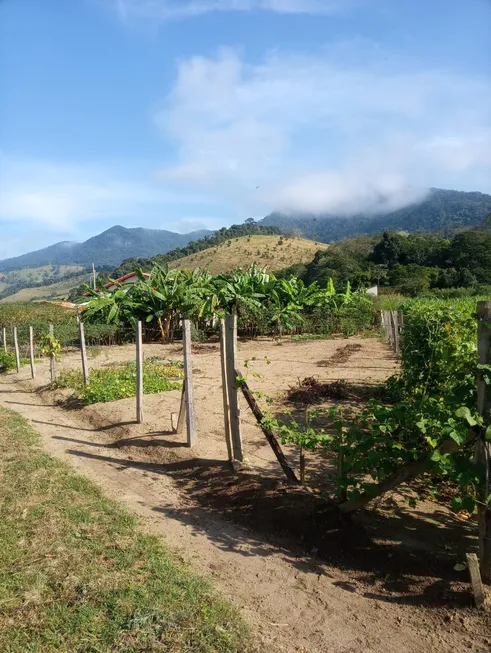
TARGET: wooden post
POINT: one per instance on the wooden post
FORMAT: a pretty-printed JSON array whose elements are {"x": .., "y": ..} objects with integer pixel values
[
  {"x": 384, "y": 326},
  {"x": 182, "y": 410},
  {"x": 139, "y": 373},
  {"x": 302, "y": 465},
  {"x": 483, "y": 444},
  {"x": 233, "y": 397},
  {"x": 388, "y": 328},
  {"x": 395, "y": 323},
  {"x": 52, "y": 360},
  {"x": 4, "y": 339},
  {"x": 226, "y": 410},
  {"x": 400, "y": 326},
  {"x": 85, "y": 369},
  {"x": 16, "y": 347},
  {"x": 31, "y": 352},
  {"x": 188, "y": 385},
  {"x": 476, "y": 582},
  {"x": 270, "y": 436}
]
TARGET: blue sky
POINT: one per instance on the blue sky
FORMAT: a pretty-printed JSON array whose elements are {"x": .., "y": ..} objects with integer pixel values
[{"x": 183, "y": 114}]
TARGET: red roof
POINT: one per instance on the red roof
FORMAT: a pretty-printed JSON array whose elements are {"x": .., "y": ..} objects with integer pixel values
[
  {"x": 124, "y": 278},
  {"x": 120, "y": 280}
]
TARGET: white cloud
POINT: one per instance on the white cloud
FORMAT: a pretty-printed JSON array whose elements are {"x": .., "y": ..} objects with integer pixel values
[
  {"x": 321, "y": 133},
  {"x": 65, "y": 197},
  {"x": 163, "y": 10}
]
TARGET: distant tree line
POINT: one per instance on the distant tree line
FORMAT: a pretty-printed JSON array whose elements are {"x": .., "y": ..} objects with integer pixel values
[{"x": 411, "y": 263}]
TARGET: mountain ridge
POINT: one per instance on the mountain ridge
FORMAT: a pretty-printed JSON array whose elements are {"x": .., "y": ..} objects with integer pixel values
[
  {"x": 442, "y": 210},
  {"x": 105, "y": 250}
]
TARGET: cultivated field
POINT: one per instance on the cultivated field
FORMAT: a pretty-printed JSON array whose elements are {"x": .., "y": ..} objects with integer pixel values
[{"x": 306, "y": 578}]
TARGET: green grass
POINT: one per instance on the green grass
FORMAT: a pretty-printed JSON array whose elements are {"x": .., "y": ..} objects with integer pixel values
[
  {"x": 119, "y": 381},
  {"x": 76, "y": 575},
  {"x": 312, "y": 336}
]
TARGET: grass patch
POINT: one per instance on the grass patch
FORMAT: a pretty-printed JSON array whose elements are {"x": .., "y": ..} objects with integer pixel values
[
  {"x": 76, "y": 575},
  {"x": 119, "y": 381},
  {"x": 312, "y": 336}
]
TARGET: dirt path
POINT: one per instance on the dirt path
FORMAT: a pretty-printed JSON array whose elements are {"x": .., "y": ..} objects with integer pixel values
[{"x": 294, "y": 602}]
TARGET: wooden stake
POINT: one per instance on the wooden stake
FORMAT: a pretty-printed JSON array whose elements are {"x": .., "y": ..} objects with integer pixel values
[
  {"x": 270, "y": 436},
  {"x": 85, "y": 369},
  {"x": 188, "y": 385},
  {"x": 483, "y": 444},
  {"x": 395, "y": 322},
  {"x": 139, "y": 373},
  {"x": 4, "y": 339},
  {"x": 182, "y": 410},
  {"x": 52, "y": 360},
  {"x": 31, "y": 352},
  {"x": 226, "y": 409},
  {"x": 475, "y": 575},
  {"x": 388, "y": 325},
  {"x": 233, "y": 397},
  {"x": 384, "y": 326},
  {"x": 16, "y": 347},
  {"x": 302, "y": 465}
]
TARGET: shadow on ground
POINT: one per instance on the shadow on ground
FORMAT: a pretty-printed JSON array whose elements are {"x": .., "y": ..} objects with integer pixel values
[{"x": 399, "y": 557}]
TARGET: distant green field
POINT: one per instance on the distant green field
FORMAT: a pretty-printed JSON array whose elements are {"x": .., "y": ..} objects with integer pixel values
[
  {"x": 40, "y": 274},
  {"x": 17, "y": 280}
]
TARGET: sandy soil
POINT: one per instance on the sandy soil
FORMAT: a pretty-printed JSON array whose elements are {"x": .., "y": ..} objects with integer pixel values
[{"x": 306, "y": 580}]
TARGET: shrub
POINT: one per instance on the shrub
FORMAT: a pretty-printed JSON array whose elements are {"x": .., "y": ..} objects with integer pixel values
[{"x": 7, "y": 361}]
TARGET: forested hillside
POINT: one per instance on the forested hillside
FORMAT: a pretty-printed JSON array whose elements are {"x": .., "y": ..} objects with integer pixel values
[
  {"x": 443, "y": 211},
  {"x": 412, "y": 263}
]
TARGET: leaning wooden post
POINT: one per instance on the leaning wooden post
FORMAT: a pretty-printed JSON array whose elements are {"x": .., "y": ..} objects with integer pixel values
[
  {"x": 31, "y": 352},
  {"x": 139, "y": 373},
  {"x": 85, "y": 369},
  {"x": 188, "y": 384},
  {"x": 233, "y": 397},
  {"x": 483, "y": 444},
  {"x": 16, "y": 347},
  {"x": 226, "y": 410},
  {"x": 52, "y": 362},
  {"x": 4, "y": 339}
]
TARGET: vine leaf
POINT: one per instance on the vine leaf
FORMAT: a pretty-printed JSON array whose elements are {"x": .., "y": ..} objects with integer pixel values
[{"x": 465, "y": 413}]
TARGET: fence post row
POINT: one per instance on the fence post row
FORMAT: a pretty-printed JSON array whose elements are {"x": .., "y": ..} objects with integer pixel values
[
  {"x": 85, "y": 369},
  {"x": 188, "y": 384},
  {"x": 139, "y": 373},
  {"x": 483, "y": 445},
  {"x": 392, "y": 322},
  {"x": 16, "y": 348},
  {"x": 232, "y": 389},
  {"x": 31, "y": 352}
]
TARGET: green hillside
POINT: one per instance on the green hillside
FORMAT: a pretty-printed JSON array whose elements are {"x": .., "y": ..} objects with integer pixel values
[{"x": 58, "y": 290}]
